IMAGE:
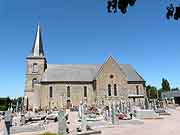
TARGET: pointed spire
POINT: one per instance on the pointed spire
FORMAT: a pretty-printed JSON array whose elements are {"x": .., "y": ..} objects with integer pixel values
[{"x": 37, "y": 49}]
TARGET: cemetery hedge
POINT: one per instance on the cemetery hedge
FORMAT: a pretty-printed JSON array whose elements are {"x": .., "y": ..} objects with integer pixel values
[
  {"x": 4, "y": 103},
  {"x": 3, "y": 108}
]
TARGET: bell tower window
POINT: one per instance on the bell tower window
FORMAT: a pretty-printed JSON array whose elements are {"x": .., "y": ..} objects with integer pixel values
[
  {"x": 34, "y": 81},
  {"x": 35, "y": 68}
]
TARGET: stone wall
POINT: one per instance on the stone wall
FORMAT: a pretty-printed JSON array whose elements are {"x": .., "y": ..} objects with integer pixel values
[
  {"x": 30, "y": 75},
  {"x": 60, "y": 98},
  {"x": 110, "y": 74}
]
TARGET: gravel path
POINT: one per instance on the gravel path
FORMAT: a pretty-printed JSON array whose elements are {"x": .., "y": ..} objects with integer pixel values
[{"x": 170, "y": 125}]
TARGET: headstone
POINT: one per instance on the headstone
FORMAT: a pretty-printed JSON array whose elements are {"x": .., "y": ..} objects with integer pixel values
[
  {"x": 8, "y": 121},
  {"x": 123, "y": 107},
  {"x": 113, "y": 113},
  {"x": 120, "y": 107},
  {"x": 83, "y": 120},
  {"x": 61, "y": 123},
  {"x": 146, "y": 103},
  {"x": 173, "y": 101},
  {"x": 146, "y": 114},
  {"x": 80, "y": 110}
]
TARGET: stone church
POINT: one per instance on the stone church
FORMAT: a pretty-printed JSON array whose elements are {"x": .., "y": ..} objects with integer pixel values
[{"x": 57, "y": 85}]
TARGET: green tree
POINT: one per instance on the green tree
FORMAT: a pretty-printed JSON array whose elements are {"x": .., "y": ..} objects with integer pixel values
[
  {"x": 172, "y": 9},
  {"x": 152, "y": 92},
  {"x": 5, "y": 103},
  {"x": 165, "y": 85},
  {"x": 17, "y": 103},
  {"x": 175, "y": 89}
]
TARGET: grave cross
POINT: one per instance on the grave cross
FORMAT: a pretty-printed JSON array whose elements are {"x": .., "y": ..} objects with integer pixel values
[{"x": 61, "y": 123}]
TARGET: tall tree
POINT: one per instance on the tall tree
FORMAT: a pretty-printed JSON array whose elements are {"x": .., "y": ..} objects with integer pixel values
[
  {"x": 172, "y": 10},
  {"x": 165, "y": 85},
  {"x": 175, "y": 89},
  {"x": 121, "y": 5},
  {"x": 152, "y": 92}
]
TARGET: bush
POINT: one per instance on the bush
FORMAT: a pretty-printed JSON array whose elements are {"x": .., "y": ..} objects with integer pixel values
[{"x": 3, "y": 108}]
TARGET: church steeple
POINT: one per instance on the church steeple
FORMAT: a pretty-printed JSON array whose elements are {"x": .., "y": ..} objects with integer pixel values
[
  {"x": 36, "y": 65},
  {"x": 37, "y": 49}
]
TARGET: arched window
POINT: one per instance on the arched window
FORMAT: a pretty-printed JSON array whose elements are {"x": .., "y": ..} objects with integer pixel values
[
  {"x": 115, "y": 90},
  {"x": 68, "y": 91},
  {"x": 109, "y": 89},
  {"x": 137, "y": 89},
  {"x": 34, "y": 81},
  {"x": 85, "y": 91},
  {"x": 34, "y": 68},
  {"x": 50, "y": 91}
]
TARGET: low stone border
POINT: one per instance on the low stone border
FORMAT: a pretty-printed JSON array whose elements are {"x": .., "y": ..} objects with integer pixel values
[{"x": 89, "y": 132}]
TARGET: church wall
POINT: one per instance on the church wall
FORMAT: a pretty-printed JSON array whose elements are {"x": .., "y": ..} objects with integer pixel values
[
  {"x": 132, "y": 89},
  {"x": 59, "y": 96},
  {"x": 111, "y": 74}
]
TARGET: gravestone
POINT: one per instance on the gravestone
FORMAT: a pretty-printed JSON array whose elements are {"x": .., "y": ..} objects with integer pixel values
[
  {"x": 83, "y": 117},
  {"x": 61, "y": 123},
  {"x": 113, "y": 113},
  {"x": 8, "y": 121}
]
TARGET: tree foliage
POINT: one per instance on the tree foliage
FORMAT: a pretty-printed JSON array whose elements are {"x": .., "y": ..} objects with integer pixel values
[
  {"x": 4, "y": 103},
  {"x": 172, "y": 10},
  {"x": 121, "y": 5},
  {"x": 175, "y": 89},
  {"x": 152, "y": 92},
  {"x": 165, "y": 85}
]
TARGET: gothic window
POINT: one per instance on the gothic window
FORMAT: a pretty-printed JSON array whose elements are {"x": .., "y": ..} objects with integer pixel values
[
  {"x": 85, "y": 91},
  {"x": 137, "y": 89},
  {"x": 50, "y": 91},
  {"x": 34, "y": 68},
  {"x": 34, "y": 81},
  {"x": 68, "y": 91},
  {"x": 109, "y": 89},
  {"x": 115, "y": 90}
]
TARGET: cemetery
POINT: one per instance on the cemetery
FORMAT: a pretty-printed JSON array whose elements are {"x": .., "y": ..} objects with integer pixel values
[{"x": 87, "y": 119}]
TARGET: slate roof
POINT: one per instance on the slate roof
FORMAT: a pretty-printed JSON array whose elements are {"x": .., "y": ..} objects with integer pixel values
[
  {"x": 82, "y": 72},
  {"x": 170, "y": 94}
]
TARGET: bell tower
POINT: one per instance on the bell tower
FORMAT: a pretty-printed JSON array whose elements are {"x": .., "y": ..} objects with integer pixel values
[{"x": 35, "y": 67}]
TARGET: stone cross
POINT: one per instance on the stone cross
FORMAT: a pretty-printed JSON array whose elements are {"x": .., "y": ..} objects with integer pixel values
[
  {"x": 61, "y": 123},
  {"x": 113, "y": 113},
  {"x": 83, "y": 117}
]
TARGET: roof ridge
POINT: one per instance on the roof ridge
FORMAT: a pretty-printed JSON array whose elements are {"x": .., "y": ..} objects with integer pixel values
[
  {"x": 84, "y": 64},
  {"x": 74, "y": 64}
]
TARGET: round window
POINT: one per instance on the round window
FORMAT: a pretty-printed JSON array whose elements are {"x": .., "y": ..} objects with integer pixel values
[{"x": 111, "y": 76}]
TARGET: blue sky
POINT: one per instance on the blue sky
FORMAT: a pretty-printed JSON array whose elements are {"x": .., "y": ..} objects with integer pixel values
[{"x": 81, "y": 31}]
